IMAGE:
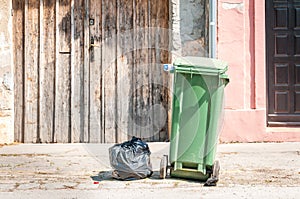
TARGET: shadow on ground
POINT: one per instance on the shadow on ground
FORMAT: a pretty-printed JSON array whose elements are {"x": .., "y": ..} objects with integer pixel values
[
  {"x": 107, "y": 176},
  {"x": 155, "y": 178}
]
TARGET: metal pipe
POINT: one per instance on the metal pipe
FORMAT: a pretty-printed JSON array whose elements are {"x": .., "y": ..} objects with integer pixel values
[{"x": 212, "y": 28}]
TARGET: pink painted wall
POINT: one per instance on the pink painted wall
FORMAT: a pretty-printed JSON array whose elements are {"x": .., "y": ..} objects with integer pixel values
[{"x": 241, "y": 42}]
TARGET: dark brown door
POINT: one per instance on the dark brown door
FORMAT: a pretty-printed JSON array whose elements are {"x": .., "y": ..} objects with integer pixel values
[{"x": 283, "y": 61}]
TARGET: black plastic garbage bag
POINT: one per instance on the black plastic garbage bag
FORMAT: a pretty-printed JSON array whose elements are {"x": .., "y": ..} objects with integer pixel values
[{"x": 130, "y": 160}]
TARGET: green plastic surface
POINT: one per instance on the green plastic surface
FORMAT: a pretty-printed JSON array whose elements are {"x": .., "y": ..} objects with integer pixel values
[
  {"x": 200, "y": 65},
  {"x": 197, "y": 107}
]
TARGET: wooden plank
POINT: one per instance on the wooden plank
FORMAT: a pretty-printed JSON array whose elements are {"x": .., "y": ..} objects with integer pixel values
[
  {"x": 153, "y": 78},
  {"x": 64, "y": 12},
  {"x": 31, "y": 70},
  {"x": 141, "y": 104},
  {"x": 159, "y": 41},
  {"x": 86, "y": 96},
  {"x": 163, "y": 21},
  {"x": 18, "y": 29},
  {"x": 77, "y": 93},
  {"x": 47, "y": 68},
  {"x": 62, "y": 75},
  {"x": 124, "y": 68},
  {"x": 95, "y": 126},
  {"x": 109, "y": 69}
]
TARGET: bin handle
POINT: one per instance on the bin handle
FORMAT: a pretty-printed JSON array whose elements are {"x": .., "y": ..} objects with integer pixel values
[{"x": 225, "y": 77}]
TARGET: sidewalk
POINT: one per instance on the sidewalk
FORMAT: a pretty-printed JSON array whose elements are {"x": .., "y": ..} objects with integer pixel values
[{"x": 258, "y": 170}]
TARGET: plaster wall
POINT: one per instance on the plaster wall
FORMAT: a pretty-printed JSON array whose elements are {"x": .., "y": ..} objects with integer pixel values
[
  {"x": 189, "y": 29},
  {"x": 6, "y": 74},
  {"x": 241, "y": 42}
]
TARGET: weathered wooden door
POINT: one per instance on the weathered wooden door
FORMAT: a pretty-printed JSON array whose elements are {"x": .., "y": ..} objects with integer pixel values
[
  {"x": 90, "y": 70},
  {"x": 283, "y": 61}
]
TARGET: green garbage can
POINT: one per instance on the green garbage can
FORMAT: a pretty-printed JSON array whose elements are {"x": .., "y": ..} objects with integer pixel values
[{"x": 198, "y": 91}]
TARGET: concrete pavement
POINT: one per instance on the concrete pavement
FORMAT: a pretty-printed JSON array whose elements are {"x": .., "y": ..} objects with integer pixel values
[{"x": 256, "y": 170}]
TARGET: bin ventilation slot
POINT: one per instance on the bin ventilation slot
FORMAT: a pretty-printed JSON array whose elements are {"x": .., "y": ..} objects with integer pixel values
[{"x": 187, "y": 165}]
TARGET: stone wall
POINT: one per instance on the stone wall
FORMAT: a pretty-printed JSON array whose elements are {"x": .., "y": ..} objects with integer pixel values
[
  {"x": 6, "y": 74},
  {"x": 190, "y": 27}
]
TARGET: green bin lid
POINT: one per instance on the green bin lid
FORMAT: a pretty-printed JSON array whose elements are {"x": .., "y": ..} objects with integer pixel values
[{"x": 200, "y": 65}]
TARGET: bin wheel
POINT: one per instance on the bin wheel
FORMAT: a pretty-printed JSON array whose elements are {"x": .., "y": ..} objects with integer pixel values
[
  {"x": 212, "y": 181},
  {"x": 163, "y": 167},
  {"x": 216, "y": 169}
]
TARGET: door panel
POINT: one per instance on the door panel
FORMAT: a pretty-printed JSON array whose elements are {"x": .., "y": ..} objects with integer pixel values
[
  {"x": 18, "y": 49},
  {"x": 31, "y": 53},
  {"x": 96, "y": 80},
  {"x": 62, "y": 81},
  {"x": 282, "y": 27},
  {"x": 90, "y": 70},
  {"x": 78, "y": 74}
]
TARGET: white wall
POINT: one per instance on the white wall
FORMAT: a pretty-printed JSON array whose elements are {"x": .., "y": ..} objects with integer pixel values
[{"x": 6, "y": 74}]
